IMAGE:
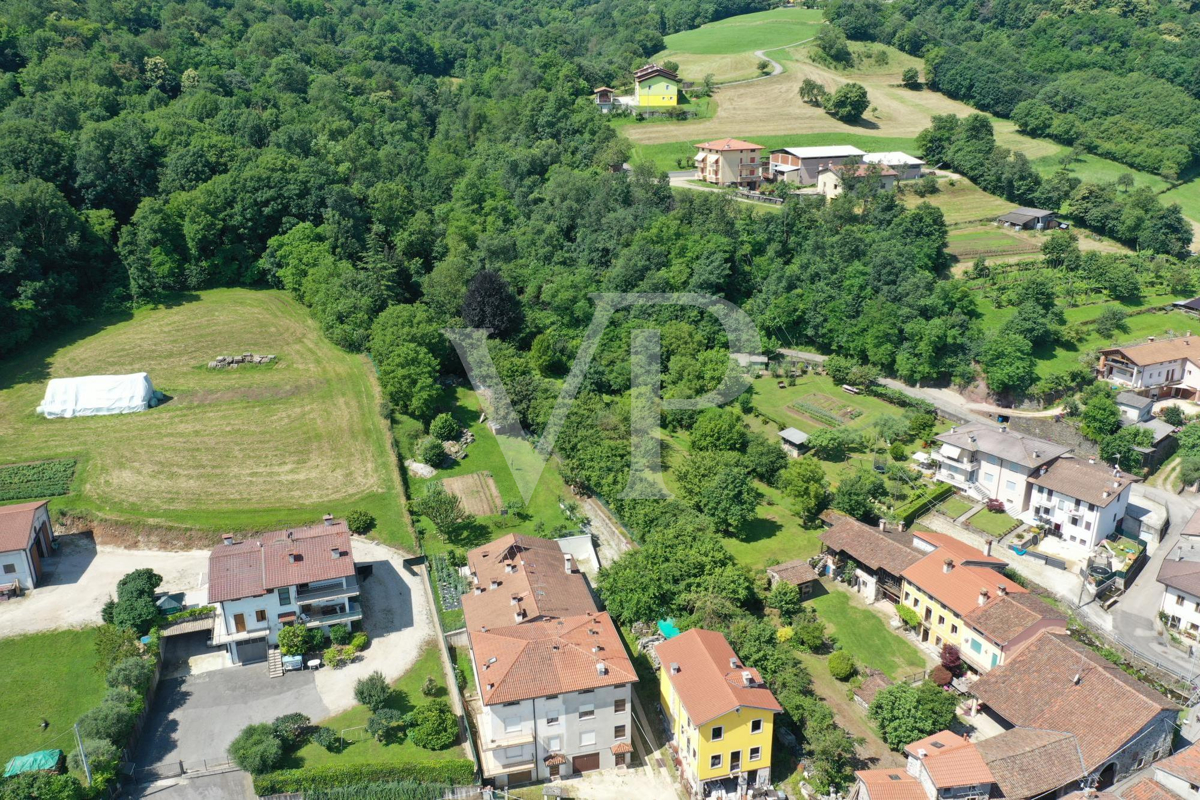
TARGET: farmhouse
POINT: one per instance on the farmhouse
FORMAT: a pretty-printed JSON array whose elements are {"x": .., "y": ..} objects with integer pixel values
[
  {"x": 604, "y": 98},
  {"x": 992, "y": 463},
  {"x": 1028, "y": 219},
  {"x": 305, "y": 576},
  {"x": 801, "y": 165},
  {"x": 878, "y": 556},
  {"x": 729, "y": 162},
  {"x": 907, "y": 167},
  {"x": 720, "y": 713},
  {"x": 1157, "y": 369},
  {"x": 1080, "y": 500},
  {"x": 25, "y": 538},
  {"x": 1057, "y": 684},
  {"x": 833, "y": 181},
  {"x": 655, "y": 86},
  {"x": 553, "y": 679},
  {"x": 1180, "y": 575},
  {"x": 794, "y": 441}
]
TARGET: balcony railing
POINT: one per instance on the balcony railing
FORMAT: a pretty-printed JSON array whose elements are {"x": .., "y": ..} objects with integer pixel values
[
  {"x": 328, "y": 592},
  {"x": 312, "y": 619}
]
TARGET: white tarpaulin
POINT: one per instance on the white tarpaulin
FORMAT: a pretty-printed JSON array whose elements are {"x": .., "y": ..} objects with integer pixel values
[{"x": 97, "y": 394}]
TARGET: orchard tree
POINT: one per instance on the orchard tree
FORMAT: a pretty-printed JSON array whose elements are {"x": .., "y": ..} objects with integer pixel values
[
  {"x": 857, "y": 495},
  {"x": 443, "y": 510},
  {"x": 804, "y": 483},
  {"x": 910, "y": 78}
]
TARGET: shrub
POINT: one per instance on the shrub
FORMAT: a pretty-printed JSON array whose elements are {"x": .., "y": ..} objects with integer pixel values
[
  {"x": 384, "y": 725},
  {"x": 137, "y": 614},
  {"x": 334, "y": 657},
  {"x": 1173, "y": 416},
  {"x": 897, "y": 452},
  {"x": 359, "y": 521},
  {"x": 940, "y": 675},
  {"x": 908, "y": 616},
  {"x": 359, "y": 642},
  {"x": 43, "y": 479},
  {"x": 256, "y": 749},
  {"x": 126, "y": 697},
  {"x": 110, "y": 721},
  {"x": 430, "y": 687},
  {"x": 114, "y": 644},
  {"x": 339, "y": 634},
  {"x": 291, "y": 729},
  {"x": 326, "y": 738},
  {"x": 444, "y": 428},
  {"x": 841, "y": 665},
  {"x": 459, "y": 771},
  {"x": 44, "y": 785},
  {"x": 432, "y": 726},
  {"x": 372, "y": 691},
  {"x": 951, "y": 659},
  {"x": 133, "y": 673},
  {"x": 910, "y": 78},
  {"x": 296, "y": 640},
  {"x": 430, "y": 451},
  {"x": 102, "y": 756},
  {"x": 785, "y": 597},
  {"x": 139, "y": 583}
]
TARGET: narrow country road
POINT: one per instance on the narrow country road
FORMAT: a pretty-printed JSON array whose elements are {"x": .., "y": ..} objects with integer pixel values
[{"x": 776, "y": 67}]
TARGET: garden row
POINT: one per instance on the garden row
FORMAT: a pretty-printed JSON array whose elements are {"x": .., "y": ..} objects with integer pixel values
[{"x": 37, "y": 480}]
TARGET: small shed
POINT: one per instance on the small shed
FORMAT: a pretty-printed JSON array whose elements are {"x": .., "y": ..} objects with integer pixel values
[
  {"x": 797, "y": 572},
  {"x": 1134, "y": 407},
  {"x": 795, "y": 442},
  {"x": 40, "y": 761},
  {"x": 169, "y": 603},
  {"x": 1188, "y": 306},
  {"x": 1029, "y": 219}
]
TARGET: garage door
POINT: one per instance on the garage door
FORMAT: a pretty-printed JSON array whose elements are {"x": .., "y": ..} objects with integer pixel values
[
  {"x": 515, "y": 778},
  {"x": 250, "y": 652},
  {"x": 586, "y": 763}
]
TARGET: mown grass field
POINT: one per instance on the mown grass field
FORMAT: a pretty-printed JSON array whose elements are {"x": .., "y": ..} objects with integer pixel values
[
  {"x": 962, "y": 202},
  {"x": 864, "y": 635},
  {"x": 47, "y": 676},
  {"x": 249, "y": 448},
  {"x": 726, "y": 48}
]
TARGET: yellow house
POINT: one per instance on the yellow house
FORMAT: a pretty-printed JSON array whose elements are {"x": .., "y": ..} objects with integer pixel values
[
  {"x": 655, "y": 86},
  {"x": 721, "y": 715}
]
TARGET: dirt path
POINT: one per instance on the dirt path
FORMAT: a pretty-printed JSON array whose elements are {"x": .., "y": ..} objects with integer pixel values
[
  {"x": 849, "y": 714},
  {"x": 612, "y": 537},
  {"x": 776, "y": 67}
]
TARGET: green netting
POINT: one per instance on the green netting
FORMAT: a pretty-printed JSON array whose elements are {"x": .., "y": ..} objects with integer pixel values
[{"x": 33, "y": 762}]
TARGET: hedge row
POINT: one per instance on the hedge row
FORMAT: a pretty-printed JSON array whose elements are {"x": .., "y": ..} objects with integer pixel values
[
  {"x": 458, "y": 772},
  {"x": 30, "y": 481},
  {"x": 396, "y": 790},
  {"x": 922, "y": 501},
  {"x": 899, "y": 398}
]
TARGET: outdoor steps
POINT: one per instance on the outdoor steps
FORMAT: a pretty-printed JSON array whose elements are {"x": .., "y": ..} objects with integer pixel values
[{"x": 274, "y": 663}]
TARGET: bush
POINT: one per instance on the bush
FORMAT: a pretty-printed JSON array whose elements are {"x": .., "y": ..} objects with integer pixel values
[
  {"x": 373, "y": 691},
  {"x": 132, "y": 673},
  {"x": 139, "y": 583},
  {"x": 359, "y": 642},
  {"x": 256, "y": 749},
  {"x": 334, "y": 657},
  {"x": 444, "y": 428},
  {"x": 459, "y": 772},
  {"x": 137, "y": 614},
  {"x": 339, "y": 634},
  {"x": 785, "y": 597},
  {"x": 908, "y": 616},
  {"x": 430, "y": 451},
  {"x": 430, "y": 687},
  {"x": 110, "y": 721},
  {"x": 910, "y": 78},
  {"x": 42, "y": 785},
  {"x": 296, "y": 640},
  {"x": 102, "y": 756},
  {"x": 432, "y": 726},
  {"x": 1173, "y": 416},
  {"x": 126, "y": 697},
  {"x": 359, "y": 521},
  {"x": 326, "y": 738},
  {"x": 841, "y": 665},
  {"x": 940, "y": 675},
  {"x": 384, "y": 725},
  {"x": 897, "y": 452},
  {"x": 291, "y": 730}
]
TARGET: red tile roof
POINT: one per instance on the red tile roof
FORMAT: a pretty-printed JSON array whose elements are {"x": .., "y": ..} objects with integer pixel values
[
  {"x": 1037, "y": 688},
  {"x": 729, "y": 144},
  {"x": 950, "y": 760},
  {"x": 1027, "y": 762},
  {"x": 16, "y": 525},
  {"x": 959, "y": 550},
  {"x": 890, "y": 784},
  {"x": 871, "y": 547},
  {"x": 710, "y": 681},
  {"x": 550, "y": 656},
  {"x": 1148, "y": 789},
  {"x": 1184, "y": 765},
  {"x": 281, "y": 558},
  {"x": 1005, "y": 617},
  {"x": 539, "y": 581},
  {"x": 621, "y": 747},
  {"x": 961, "y": 587}
]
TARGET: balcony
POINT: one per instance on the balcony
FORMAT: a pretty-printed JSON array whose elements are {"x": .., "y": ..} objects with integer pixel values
[
  {"x": 349, "y": 612},
  {"x": 328, "y": 592},
  {"x": 222, "y": 636}
]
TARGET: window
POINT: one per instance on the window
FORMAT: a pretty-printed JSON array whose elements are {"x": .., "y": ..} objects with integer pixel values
[
  {"x": 714, "y": 762},
  {"x": 1091, "y": 506},
  {"x": 512, "y": 724},
  {"x": 937, "y": 641},
  {"x": 587, "y": 738},
  {"x": 619, "y": 705},
  {"x": 619, "y": 732},
  {"x": 9, "y": 569},
  {"x": 618, "y": 687},
  {"x": 1010, "y": 485},
  {"x": 554, "y": 744},
  {"x": 552, "y": 720},
  {"x": 718, "y": 733},
  {"x": 756, "y": 725},
  {"x": 978, "y": 648},
  {"x": 285, "y": 596},
  {"x": 513, "y": 703},
  {"x": 1178, "y": 599},
  {"x": 941, "y": 620},
  {"x": 989, "y": 477},
  {"x": 551, "y": 697},
  {"x": 586, "y": 691},
  {"x": 587, "y": 711},
  {"x": 954, "y": 629},
  {"x": 1087, "y": 526},
  {"x": 755, "y": 753},
  {"x": 260, "y": 615},
  {"x": 513, "y": 752}
]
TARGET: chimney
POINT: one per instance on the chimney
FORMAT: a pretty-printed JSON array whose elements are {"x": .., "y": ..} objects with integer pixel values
[
  {"x": 1116, "y": 484},
  {"x": 1043, "y": 471},
  {"x": 491, "y": 686},
  {"x": 948, "y": 565},
  {"x": 1149, "y": 338},
  {"x": 1001, "y": 589},
  {"x": 1004, "y": 429},
  {"x": 882, "y": 525},
  {"x": 291, "y": 535},
  {"x": 1036, "y": 454},
  {"x": 601, "y": 668},
  {"x": 291, "y": 558},
  {"x": 336, "y": 552},
  {"x": 983, "y": 596},
  {"x": 1104, "y": 494},
  {"x": 901, "y": 527},
  {"x": 567, "y": 562},
  {"x": 478, "y": 590},
  {"x": 519, "y": 615},
  {"x": 495, "y": 584},
  {"x": 747, "y": 678},
  {"x": 1091, "y": 461},
  {"x": 733, "y": 663},
  {"x": 510, "y": 568},
  {"x": 514, "y": 600},
  {"x": 987, "y": 548},
  {"x": 596, "y": 648},
  {"x": 953, "y": 428},
  {"x": 227, "y": 538},
  {"x": 922, "y": 753},
  {"x": 971, "y": 437},
  {"x": 674, "y": 668},
  {"x": 483, "y": 628},
  {"x": 328, "y": 520}
]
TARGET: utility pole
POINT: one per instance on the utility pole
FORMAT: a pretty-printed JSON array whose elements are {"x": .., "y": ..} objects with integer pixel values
[{"x": 87, "y": 769}]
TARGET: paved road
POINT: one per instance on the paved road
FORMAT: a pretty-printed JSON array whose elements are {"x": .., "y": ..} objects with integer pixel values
[
  {"x": 776, "y": 67},
  {"x": 944, "y": 400},
  {"x": 235, "y": 785}
]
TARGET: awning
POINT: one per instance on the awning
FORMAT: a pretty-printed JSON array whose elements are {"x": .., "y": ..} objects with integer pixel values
[
  {"x": 554, "y": 759},
  {"x": 700, "y": 157},
  {"x": 287, "y": 616},
  {"x": 776, "y": 167},
  {"x": 621, "y": 747},
  {"x": 950, "y": 451}
]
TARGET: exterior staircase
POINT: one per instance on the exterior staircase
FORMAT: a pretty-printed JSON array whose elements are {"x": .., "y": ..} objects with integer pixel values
[
  {"x": 274, "y": 662},
  {"x": 978, "y": 492}
]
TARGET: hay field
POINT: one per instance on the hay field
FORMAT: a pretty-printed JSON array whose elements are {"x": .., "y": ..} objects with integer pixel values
[
  {"x": 726, "y": 48},
  {"x": 963, "y": 202},
  {"x": 252, "y": 447}
]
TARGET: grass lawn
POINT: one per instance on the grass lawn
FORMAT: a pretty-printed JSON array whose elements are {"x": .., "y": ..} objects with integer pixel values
[
  {"x": 763, "y": 30},
  {"x": 962, "y": 202},
  {"x": 864, "y": 635},
  {"x": 996, "y": 523},
  {"x": 1094, "y": 169},
  {"x": 1187, "y": 195},
  {"x": 46, "y": 676},
  {"x": 363, "y": 749},
  {"x": 249, "y": 448},
  {"x": 777, "y": 403},
  {"x": 954, "y": 506}
]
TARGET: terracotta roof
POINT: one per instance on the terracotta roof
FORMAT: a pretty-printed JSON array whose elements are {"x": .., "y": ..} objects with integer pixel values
[
  {"x": 890, "y": 784},
  {"x": 1093, "y": 795},
  {"x": 875, "y": 682},
  {"x": 621, "y": 747},
  {"x": 1005, "y": 617},
  {"x": 960, "y": 551},
  {"x": 1091, "y": 483},
  {"x": 1158, "y": 352},
  {"x": 951, "y": 760},
  {"x": 281, "y": 558},
  {"x": 553, "y": 759},
  {"x": 16, "y": 525},
  {"x": 869, "y": 546},
  {"x": 654, "y": 69},
  {"x": 863, "y": 170},
  {"x": 539, "y": 580},
  {"x": 793, "y": 572},
  {"x": 710, "y": 677},
  {"x": 1184, "y": 765},
  {"x": 1027, "y": 762},
  {"x": 729, "y": 144},
  {"x": 549, "y": 656},
  {"x": 1181, "y": 568},
  {"x": 1009, "y": 445},
  {"x": 1192, "y": 527},
  {"x": 1148, "y": 789},
  {"x": 1036, "y": 688},
  {"x": 961, "y": 588}
]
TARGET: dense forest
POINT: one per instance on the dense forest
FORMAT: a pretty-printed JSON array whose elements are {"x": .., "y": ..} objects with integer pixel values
[{"x": 1120, "y": 78}]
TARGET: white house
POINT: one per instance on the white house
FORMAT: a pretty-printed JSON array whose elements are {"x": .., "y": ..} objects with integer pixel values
[
  {"x": 1080, "y": 500},
  {"x": 553, "y": 679},
  {"x": 1134, "y": 407},
  {"x": 907, "y": 167},
  {"x": 831, "y": 181},
  {"x": 305, "y": 576},
  {"x": 1180, "y": 773},
  {"x": 1157, "y": 369},
  {"x": 989, "y": 462},
  {"x": 794, "y": 441},
  {"x": 25, "y": 535},
  {"x": 1180, "y": 577}
]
